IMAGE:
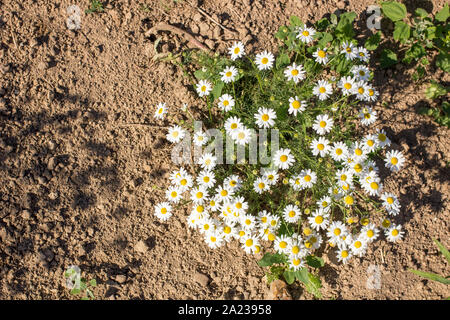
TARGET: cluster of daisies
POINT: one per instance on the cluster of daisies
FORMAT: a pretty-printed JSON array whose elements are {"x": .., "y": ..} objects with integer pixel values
[{"x": 222, "y": 213}]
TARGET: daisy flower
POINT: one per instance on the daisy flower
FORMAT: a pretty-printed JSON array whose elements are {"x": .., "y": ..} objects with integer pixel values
[
  {"x": 271, "y": 177},
  {"x": 295, "y": 105},
  {"x": 224, "y": 194},
  {"x": 264, "y": 60},
  {"x": 391, "y": 203},
  {"x": 320, "y": 147},
  {"x": 344, "y": 176},
  {"x": 175, "y": 134},
  {"x": 229, "y": 232},
  {"x": 347, "y": 85},
  {"x": 260, "y": 185},
  {"x": 173, "y": 194},
  {"x": 263, "y": 218},
  {"x": 250, "y": 244},
  {"x": 358, "y": 152},
  {"x": 362, "y": 54},
  {"x": 296, "y": 183},
  {"x": 382, "y": 139},
  {"x": 305, "y": 34},
  {"x": 240, "y": 205},
  {"x": 324, "y": 203},
  {"x": 291, "y": 213},
  {"x": 206, "y": 225},
  {"x": 394, "y": 233},
  {"x": 295, "y": 72},
  {"x": 282, "y": 243},
  {"x": 323, "y": 124},
  {"x": 349, "y": 200},
  {"x": 242, "y": 136},
  {"x": 161, "y": 110},
  {"x": 204, "y": 87},
  {"x": 234, "y": 182},
  {"x": 343, "y": 255},
  {"x": 296, "y": 263},
  {"x": 265, "y": 118},
  {"x": 313, "y": 241},
  {"x": 373, "y": 95},
  {"x": 229, "y": 74},
  {"x": 248, "y": 222},
  {"x": 358, "y": 246},
  {"x": 274, "y": 222},
  {"x": 361, "y": 90},
  {"x": 372, "y": 186},
  {"x": 362, "y": 73},
  {"x": 207, "y": 161},
  {"x": 335, "y": 230},
  {"x": 370, "y": 232},
  {"x": 163, "y": 211},
  {"x": 200, "y": 138},
  {"x": 184, "y": 181},
  {"x": 323, "y": 89},
  {"x": 206, "y": 178},
  {"x": 394, "y": 160},
  {"x": 199, "y": 195},
  {"x": 226, "y": 102},
  {"x": 321, "y": 56},
  {"x": 308, "y": 178},
  {"x": 349, "y": 50},
  {"x": 214, "y": 203},
  {"x": 283, "y": 159},
  {"x": 232, "y": 124},
  {"x": 370, "y": 143},
  {"x": 367, "y": 115},
  {"x": 192, "y": 220},
  {"x": 335, "y": 192},
  {"x": 319, "y": 220},
  {"x": 339, "y": 151},
  {"x": 213, "y": 239},
  {"x": 177, "y": 174},
  {"x": 237, "y": 50}
]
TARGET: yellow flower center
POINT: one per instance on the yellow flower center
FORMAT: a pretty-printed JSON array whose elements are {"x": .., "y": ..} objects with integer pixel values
[
  {"x": 261, "y": 185},
  {"x": 323, "y": 124},
  {"x": 394, "y": 161},
  {"x": 160, "y": 110},
  {"x": 322, "y": 90},
  {"x": 271, "y": 237},
  {"x": 343, "y": 177},
  {"x": 208, "y": 162},
  {"x": 382, "y": 137},
  {"x": 339, "y": 151},
  {"x": 241, "y": 135},
  {"x": 200, "y": 208},
  {"x": 239, "y": 205},
  {"x": 283, "y": 244},
  {"x": 199, "y": 195},
  {"x": 358, "y": 152},
  {"x": 233, "y": 183},
  {"x": 394, "y": 232},
  {"x": 225, "y": 103},
  {"x": 264, "y": 60},
  {"x": 347, "y": 85},
  {"x": 358, "y": 167},
  {"x": 206, "y": 179},
  {"x": 374, "y": 185},
  {"x": 370, "y": 233},
  {"x": 175, "y": 134},
  {"x": 295, "y": 249},
  {"x": 203, "y": 88},
  {"x": 386, "y": 223},
  {"x": 283, "y": 158},
  {"x": 163, "y": 210},
  {"x": 234, "y": 126},
  {"x": 360, "y": 90},
  {"x": 390, "y": 200},
  {"x": 321, "y": 54},
  {"x": 305, "y": 33},
  {"x": 337, "y": 231},
  {"x": 294, "y": 72},
  {"x": 307, "y": 178},
  {"x": 320, "y": 146},
  {"x": 348, "y": 200},
  {"x": 265, "y": 117},
  {"x": 344, "y": 254},
  {"x": 228, "y": 74},
  {"x": 291, "y": 214},
  {"x": 224, "y": 193},
  {"x": 174, "y": 194},
  {"x": 358, "y": 244},
  {"x": 370, "y": 143},
  {"x": 324, "y": 204},
  {"x": 318, "y": 219},
  {"x": 183, "y": 182},
  {"x": 307, "y": 231},
  {"x": 237, "y": 50}
]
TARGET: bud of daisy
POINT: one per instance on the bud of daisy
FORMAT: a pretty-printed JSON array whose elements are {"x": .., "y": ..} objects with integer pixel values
[
  {"x": 272, "y": 98},
  {"x": 307, "y": 211},
  {"x": 297, "y": 203}
]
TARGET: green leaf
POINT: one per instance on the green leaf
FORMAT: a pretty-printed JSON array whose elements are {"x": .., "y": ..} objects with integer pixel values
[
  {"x": 442, "y": 61},
  {"x": 217, "y": 90},
  {"x": 443, "y": 14},
  {"x": 333, "y": 19},
  {"x": 345, "y": 25},
  {"x": 295, "y": 21},
  {"x": 443, "y": 250},
  {"x": 84, "y": 298},
  {"x": 75, "y": 291},
  {"x": 282, "y": 60},
  {"x": 373, "y": 41},
  {"x": 322, "y": 24},
  {"x": 421, "y": 13},
  {"x": 270, "y": 259},
  {"x": 414, "y": 53},
  {"x": 388, "y": 58},
  {"x": 93, "y": 283},
  {"x": 200, "y": 74},
  {"x": 282, "y": 33},
  {"x": 435, "y": 90},
  {"x": 302, "y": 275},
  {"x": 289, "y": 276},
  {"x": 326, "y": 38},
  {"x": 394, "y": 10},
  {"x": 401, "y": 31},
  {"x": 431, "y": 276},
  {"x": 314, "y": 285},
  {"x": 315, "y": 262}
]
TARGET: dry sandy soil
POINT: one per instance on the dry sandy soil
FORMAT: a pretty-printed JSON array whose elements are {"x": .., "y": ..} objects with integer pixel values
[{"x": 82, "y": 161}]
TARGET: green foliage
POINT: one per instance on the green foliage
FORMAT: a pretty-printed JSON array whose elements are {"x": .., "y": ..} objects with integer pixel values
[
  {"x": 388, "y": 58},
  {"x": 96, "y": 7},
  {"x": 433, "y": 276},
  {"x": 373, "y": 41},
  {"x": 441, "y": 114},
  {"x": 81, "y": 286},
  {"x": 395, "y": 11}
]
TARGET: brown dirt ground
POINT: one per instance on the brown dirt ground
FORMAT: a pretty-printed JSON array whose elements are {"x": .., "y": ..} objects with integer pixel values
[{"x": 80, "y": 155}]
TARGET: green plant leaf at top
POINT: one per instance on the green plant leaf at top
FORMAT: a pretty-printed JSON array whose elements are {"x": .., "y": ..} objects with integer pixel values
[
  {"x": 313, "y": 286},
  {"x": 295, "y": 21},
  {"x": 315, "y": 262},
  {"x": 217, "y": 90},
  {"x": 435, "y": 90},
  {"x": 289, "y": 276},
  {"x": 431, "y": 276},
  {"x": 270, "y": 259},
  {"x": 401, "y": 31},
  {"x": 373, "y": 41},
  {"x": 421, "y": 13},
  {"x": 443, "y": 250},
  {"x": 388, "y": 58},
  {"x": 442, "y": 61},
  {"x": 302, "y": 275},
  {"x": 443, "y": 14},
  {"x": 394, "y": 10}
]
